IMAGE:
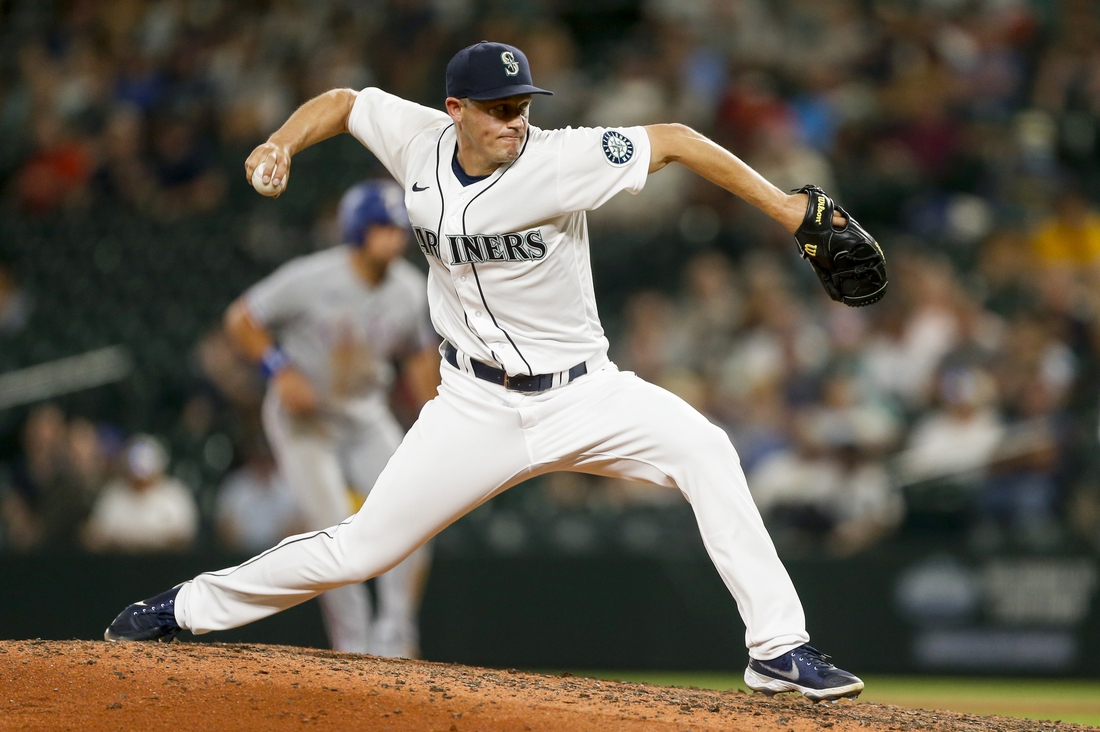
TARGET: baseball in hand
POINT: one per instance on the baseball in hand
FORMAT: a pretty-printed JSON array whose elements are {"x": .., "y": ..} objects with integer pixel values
[{"x": 268, "y": 189}]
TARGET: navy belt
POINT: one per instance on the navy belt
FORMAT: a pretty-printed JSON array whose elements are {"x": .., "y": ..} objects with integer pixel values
[{"x": 533, "y": 384}]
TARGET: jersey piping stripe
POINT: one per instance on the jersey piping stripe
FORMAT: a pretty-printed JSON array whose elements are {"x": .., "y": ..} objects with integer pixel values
[
  {"x": 277, "y": 548},
  {"x": 477, "y": 279},
  {"x": 439, "y": 232},
  {"x": 439, "y": 186}
]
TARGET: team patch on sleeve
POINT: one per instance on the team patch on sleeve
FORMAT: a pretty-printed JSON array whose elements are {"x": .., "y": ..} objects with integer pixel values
[{"x": 617, "y": 148}]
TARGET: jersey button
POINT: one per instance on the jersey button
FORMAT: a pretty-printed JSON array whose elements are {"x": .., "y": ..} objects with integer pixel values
[
  {"x": 463, "y": 278},
  {"x": 477, "y": 314}
]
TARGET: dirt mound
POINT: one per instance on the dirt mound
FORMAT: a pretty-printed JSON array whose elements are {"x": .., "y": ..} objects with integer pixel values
[{"x": 90, "y": 685}]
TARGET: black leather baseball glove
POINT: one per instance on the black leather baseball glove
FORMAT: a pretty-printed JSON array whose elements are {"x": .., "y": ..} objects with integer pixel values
[{"x": 848, "y": 261}]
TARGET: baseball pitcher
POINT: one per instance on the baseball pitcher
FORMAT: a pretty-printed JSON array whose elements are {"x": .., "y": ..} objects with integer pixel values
[{"x": 498, "y": 208}]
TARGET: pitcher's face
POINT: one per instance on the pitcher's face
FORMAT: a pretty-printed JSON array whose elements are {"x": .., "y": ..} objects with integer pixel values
[{"x": 494, "y": 129}]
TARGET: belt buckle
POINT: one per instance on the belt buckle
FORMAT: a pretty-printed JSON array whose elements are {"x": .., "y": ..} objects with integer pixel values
[{"x": 511, "y": 385}]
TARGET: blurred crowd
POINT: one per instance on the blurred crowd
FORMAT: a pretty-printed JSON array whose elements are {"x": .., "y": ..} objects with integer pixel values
[
  {"x": 76, "y": 486},
  {"x": 965, "y": 134}
]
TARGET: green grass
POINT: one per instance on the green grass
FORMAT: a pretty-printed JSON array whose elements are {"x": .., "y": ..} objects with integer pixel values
[{"x": 1043, "y": 699}]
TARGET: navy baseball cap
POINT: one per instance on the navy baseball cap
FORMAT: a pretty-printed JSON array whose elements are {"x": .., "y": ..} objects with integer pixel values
[{"x": 490, "y": 71}]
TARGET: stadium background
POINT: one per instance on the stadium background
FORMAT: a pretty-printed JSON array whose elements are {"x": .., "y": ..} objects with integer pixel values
[{"x": 928, "y": 467}]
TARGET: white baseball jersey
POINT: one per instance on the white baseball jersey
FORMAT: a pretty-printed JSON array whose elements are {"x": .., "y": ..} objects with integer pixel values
[
  {"x": 340, "y": 331},
  {"x": 509, "y": 284}
]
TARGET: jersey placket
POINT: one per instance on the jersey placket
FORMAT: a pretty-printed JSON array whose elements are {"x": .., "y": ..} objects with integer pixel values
[{"x": 469, "y": 286}]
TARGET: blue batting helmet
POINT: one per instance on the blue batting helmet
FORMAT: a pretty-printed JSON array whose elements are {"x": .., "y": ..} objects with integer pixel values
[{"x": 370, "y": 203}]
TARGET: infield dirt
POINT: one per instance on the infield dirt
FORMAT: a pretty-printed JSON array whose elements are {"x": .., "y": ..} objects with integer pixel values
[{"x": 90, "y": 685}]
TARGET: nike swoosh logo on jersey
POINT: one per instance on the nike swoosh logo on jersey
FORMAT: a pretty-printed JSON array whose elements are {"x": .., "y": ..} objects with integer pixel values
[
  {"x": 417, "y": 190},
  {"x": 792, "y": 674}
]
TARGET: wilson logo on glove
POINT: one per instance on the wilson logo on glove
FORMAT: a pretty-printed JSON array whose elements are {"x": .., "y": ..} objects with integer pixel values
[{"x": 847, "y": 260}]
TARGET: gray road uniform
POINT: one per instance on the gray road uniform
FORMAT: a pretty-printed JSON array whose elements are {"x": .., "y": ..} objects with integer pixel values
[{"x": 343, "y": 334}]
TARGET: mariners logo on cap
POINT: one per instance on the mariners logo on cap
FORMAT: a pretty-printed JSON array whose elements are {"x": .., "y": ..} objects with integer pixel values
[
  {"x": 617, "y": 147},
  {"x": 511, "y": 66}
]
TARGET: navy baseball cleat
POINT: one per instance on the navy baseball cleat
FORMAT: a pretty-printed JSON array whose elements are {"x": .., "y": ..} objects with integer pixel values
[
  {"x": 804, "y": 669},
  {"x": 152, "y": 619}
]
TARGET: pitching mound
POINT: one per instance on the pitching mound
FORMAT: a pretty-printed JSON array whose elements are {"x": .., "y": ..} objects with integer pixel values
[{"x": 90, "y": 685}]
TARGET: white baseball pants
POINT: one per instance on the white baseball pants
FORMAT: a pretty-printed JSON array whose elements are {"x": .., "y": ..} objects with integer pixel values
[
  {"x": 477, "y": 439},
  {"x": 320, "y": 458}
]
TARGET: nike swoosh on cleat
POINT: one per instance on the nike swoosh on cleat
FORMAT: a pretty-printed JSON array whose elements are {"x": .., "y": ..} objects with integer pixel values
[
  {"x": 417, "y": 190},
  {"x": 140, "y": 604},
  {"x": 792, "y": 674}
]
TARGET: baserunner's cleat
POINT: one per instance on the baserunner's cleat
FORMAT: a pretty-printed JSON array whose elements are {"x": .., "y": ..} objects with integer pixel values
[
  {"x": 804, "y": 669},
  {"x": 152, "y": 619}
]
